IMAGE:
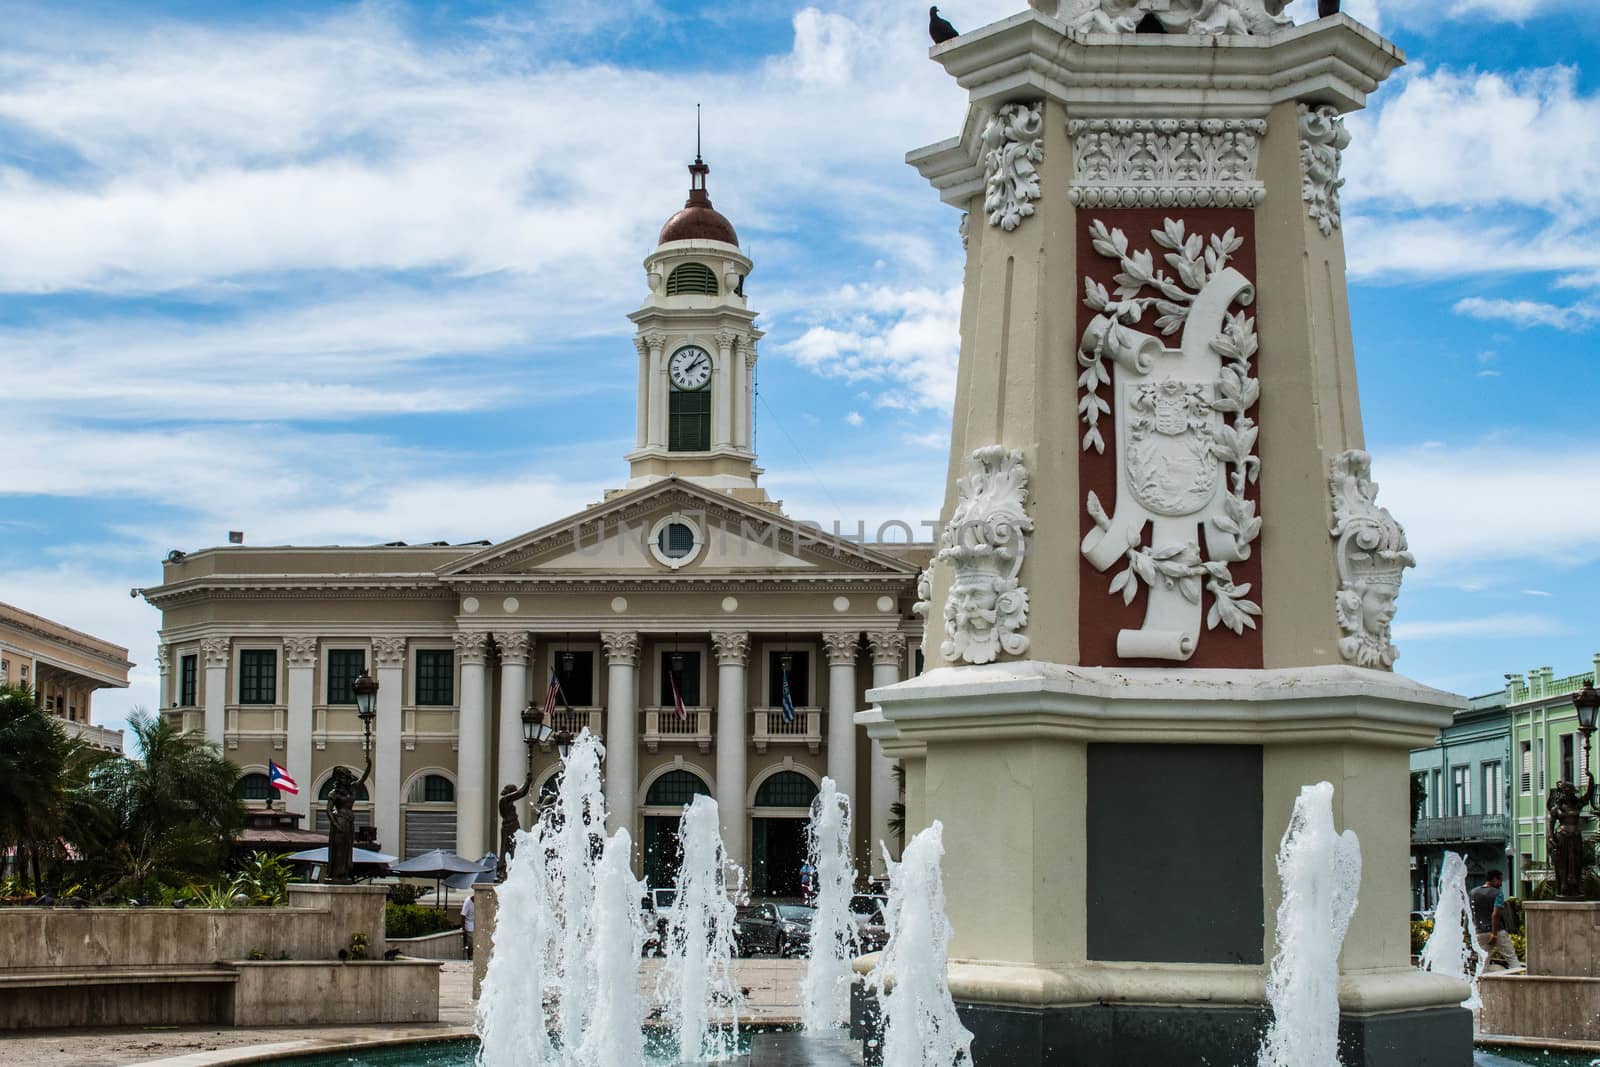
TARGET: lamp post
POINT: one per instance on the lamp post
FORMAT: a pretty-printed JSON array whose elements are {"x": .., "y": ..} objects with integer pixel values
[
  {"x": 1564, "y": 808},
  {"x": 342, "y": 797}
]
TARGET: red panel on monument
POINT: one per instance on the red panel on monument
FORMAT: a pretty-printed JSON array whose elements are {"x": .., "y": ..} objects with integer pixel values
[{"x": 1168, "y": 406}]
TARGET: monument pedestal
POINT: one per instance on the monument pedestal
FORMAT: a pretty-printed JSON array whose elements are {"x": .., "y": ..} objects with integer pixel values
[
  {"x": 1555, "y": 999},
  {"x": 1112, "y": 832}
]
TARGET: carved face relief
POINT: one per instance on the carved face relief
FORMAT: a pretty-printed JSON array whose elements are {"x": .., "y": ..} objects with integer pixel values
[
  {"x": 1377, "y": 608},
  {"x": 1371, "y": 552},
  {"x": 985, "y": 543}
]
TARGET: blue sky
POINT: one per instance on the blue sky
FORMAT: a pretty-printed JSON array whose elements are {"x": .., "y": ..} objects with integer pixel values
[{"x": 334, "y": 272}]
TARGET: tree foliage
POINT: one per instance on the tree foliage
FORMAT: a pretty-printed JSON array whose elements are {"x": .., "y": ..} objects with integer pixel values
[{"x": 47, "y": 803}]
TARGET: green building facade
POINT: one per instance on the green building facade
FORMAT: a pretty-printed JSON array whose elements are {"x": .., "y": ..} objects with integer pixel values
[
  {"x": 1545, "y": 748},
  {"x": 1466, "y": 798}
]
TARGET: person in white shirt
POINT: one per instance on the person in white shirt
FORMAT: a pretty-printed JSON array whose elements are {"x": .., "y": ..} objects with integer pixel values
[{"x": 469, "y": 911}]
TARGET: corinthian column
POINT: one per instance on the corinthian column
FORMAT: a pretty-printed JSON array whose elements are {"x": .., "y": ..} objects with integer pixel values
[
  {"x": 164, "y": 665},
  {"x": 888, "y": 653},
  {"x": 733, "y": 652},
  {"x": 472, "y": 743},
  {"x": 841, "y": 648},
  {"x": 622, "y": 728},
  {"x": 515, "y": 648},
  {"x": 389, "y": 662},
  {"x": 215, "y": 650},
  {"x": 300, "y": 659}
]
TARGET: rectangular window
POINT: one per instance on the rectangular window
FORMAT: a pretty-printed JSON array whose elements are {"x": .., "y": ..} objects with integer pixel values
[
  {"x": 689, "y": 420},
  {"x": 799, "y": 679},
  {"x": 1460, "y": 791},
  {"x": 5, "y": 670},
  {"x": 1540, "y": 763},
  {"x": 577, "y": 679},
  {"x": 258, "y": 676},
  {"x": 688, "y": 676},
  {"x": 188, "y": 679},
  {"x": 344, "y": 667},
  {"x": 1436, "y": 795},
  {"x": 1569, "y": 759},
  {"x": 436, "y": 669},
  {"x": 1494, "y": 786},
  {"x": 1525, "y": 771}
]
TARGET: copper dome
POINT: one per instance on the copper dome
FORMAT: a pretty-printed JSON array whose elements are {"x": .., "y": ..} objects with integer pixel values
[{"x": 698, "y": 221}]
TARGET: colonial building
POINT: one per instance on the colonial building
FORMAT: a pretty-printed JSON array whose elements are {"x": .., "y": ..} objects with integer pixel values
[
  {"x": 65, "y": 667},
  {"x": 1545, "y": 748},
  {"x": 1466, "y": 798},
  {"x": 673, "y": 614}
]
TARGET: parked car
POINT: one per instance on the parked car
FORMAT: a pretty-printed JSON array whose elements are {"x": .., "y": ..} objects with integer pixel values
[
  {"x": 782, "y": 929},
  {"x": 872, "y": 932}
]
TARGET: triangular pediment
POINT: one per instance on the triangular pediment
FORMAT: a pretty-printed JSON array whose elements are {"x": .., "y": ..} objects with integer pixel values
[{"x": 734, "y": 538}]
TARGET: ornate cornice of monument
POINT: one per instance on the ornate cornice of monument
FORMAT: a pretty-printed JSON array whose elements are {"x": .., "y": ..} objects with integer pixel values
[{"x": 1333, "y": 62}]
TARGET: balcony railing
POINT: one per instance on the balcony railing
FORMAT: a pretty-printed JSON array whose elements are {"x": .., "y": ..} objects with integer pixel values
[
  {"x": 663, "y": 724},
  {"x": 1448, "y": 828},
  {"x": 94, "y": 736},
  {"x": 769, "y": 728},
  {"x": 575, "y": 720}
]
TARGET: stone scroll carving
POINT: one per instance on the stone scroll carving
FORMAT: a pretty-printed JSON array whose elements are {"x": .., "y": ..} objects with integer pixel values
[
  {"x": 1185, "y": 443},
  {"x": 986, "y": 542},
  {"x": 1208, "y": 18},
  {"x": 924, "y": 601},
  {"x": 1372, "y": 556},
  {"x": 1166, "y": 162},
  {"x": 1323, "y": 140},
  {"x": 1011, "y": 147}
]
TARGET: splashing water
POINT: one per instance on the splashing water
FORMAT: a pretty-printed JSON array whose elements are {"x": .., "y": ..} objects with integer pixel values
[
  {"x": 510, "y": 1017},
  {"x": 614, "y": 1037},
  {"x": 825, "y": 990},
  {"x": 698, "y": 971},
  {"x": 920, "y": 1024},
  {"x": 575, "y": 830},
  {"x": 1446, "y": 951},
  {"x": 1320, "y": 871}
]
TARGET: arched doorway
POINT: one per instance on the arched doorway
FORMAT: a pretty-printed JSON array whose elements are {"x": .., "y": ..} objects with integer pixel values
[
  {"x": 663, "y": 810},
  {"x": 778, "y": 833},
  {"x": 430, "y": 813}
]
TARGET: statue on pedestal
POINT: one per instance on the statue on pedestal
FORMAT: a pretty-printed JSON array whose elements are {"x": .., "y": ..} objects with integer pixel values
[
  {"x": 510, "y": 822},
  {"x": 1565, "y": 837},
  {"x": 342, "y": 824}
]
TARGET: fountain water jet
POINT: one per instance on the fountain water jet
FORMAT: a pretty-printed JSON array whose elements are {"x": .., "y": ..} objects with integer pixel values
[
  {"x": 510, "y": 1017},
  {"x": 614, "y": 1038},
  {"x": 698, "y": 974},
  {"x": 920, "y": 1024},
  {"x": 575, "y": 831},
  {"x": 825, "y": 990},
  {"x": 1320, "y": 871},
  {"x": 1446, "y": 951}
]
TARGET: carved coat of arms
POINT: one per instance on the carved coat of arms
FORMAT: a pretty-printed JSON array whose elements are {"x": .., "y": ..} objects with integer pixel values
[{"x": 1184, "y": 441}]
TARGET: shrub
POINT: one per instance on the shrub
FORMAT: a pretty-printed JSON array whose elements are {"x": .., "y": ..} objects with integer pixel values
[
  {"x": 358, "y": 946},
  {"x": 405, "y": 893},
  {"x": 414, "y": 920},
  {"x": 1420, "y": 932}
]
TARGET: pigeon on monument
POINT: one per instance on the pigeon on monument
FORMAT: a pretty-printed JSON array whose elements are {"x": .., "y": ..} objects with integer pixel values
[
  {"x": 940, "y": 30},
  {"x": 1326, "y": 8}
]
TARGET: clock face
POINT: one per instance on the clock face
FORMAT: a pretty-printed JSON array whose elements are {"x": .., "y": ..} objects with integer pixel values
[{"x": 690, "y": 367}]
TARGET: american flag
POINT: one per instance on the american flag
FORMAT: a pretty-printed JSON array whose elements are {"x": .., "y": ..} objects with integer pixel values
[
  {"x": 677, "y": 697},
  {"x": 552, "y": 694}
]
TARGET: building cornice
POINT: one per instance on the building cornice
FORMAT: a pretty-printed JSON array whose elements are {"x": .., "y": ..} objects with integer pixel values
[{"x": 66, "y": 637}]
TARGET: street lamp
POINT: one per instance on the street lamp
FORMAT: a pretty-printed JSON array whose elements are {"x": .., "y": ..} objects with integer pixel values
[
  {"x": 564, "y": 744},
  {"x": 366, "y": 690},
  {"x": 1588, "y": 702}
]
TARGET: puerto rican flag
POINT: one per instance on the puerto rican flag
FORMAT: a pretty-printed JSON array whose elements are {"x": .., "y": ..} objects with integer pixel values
[
  {"x": 278, "y": 778},
  {"x": 677, "y": 697}
]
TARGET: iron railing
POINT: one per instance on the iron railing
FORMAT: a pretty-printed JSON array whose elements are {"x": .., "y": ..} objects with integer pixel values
[{"x": 1462, "y": 828}]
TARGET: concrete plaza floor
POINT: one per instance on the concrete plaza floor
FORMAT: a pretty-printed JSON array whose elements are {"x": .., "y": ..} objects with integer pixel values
[{"x": 773, "y": 999}]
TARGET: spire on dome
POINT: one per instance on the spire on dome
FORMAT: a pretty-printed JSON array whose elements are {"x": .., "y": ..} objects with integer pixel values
[{"x": 698, "y": 221}]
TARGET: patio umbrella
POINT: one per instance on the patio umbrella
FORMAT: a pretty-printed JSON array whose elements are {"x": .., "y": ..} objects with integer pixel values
[
  {"x": 437, "y": 864},
  {"x": 359, "y": 855},
  {"x": 488, "y": 866}
]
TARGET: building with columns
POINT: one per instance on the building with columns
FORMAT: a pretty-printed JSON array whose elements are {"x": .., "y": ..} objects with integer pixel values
[
  {"x": 674, "y": 614},
  {"x": 64, "y": 667}
]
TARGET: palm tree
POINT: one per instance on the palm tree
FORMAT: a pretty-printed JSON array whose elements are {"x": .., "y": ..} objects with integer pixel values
[
  {"x": 46, "y": 802},
  {"x": 173, "y": 813},
  {"x": 897, "y": 810}
]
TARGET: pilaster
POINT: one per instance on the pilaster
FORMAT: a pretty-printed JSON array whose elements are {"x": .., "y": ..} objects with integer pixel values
[
  {"x": 516, "y": 647},
  {"x": 621, "y": 769},
  {"x": 300, "y": 664},
  {"x": 841, "y": 647},
  {"x": 388, "y": 661},
  {"x": 472, "y": 757},
  {"x": 216, "y": 651}
]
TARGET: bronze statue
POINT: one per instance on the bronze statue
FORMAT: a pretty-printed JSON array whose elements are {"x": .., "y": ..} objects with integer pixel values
[
  {"x": 342, "y": 824},
  {"x": 510, "y": 823},
  {"x": 1565, "y": 837}
]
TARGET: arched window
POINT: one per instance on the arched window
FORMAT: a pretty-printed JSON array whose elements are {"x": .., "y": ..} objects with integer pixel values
[
  {"x": 255, "y": 787},
  {"x": 432, "y": 789},
  {"x": 675, "y": 789},
  {"x": 692, "y": 278},
  {"x": 786, "y": 789},
  {"x": 327, "y": 787}
]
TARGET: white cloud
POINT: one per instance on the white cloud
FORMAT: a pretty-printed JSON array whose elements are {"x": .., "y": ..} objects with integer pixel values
[
  {"x": 1530, "y": 313},
  {"x": 855, "y": 419},
  {"x": 1503, "y": 625},
  {"x": 904, "y": 341}
]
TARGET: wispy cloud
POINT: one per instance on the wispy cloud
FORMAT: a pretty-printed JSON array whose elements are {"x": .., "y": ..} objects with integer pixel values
[
  {"x": 1530, "y": 313},
  {"x": 1506, "y": 625}
]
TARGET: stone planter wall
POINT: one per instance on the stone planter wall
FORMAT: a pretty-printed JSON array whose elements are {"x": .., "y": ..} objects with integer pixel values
[
  {"x": 1563, "y": 937},
  {"x": 299, "y": 993}
]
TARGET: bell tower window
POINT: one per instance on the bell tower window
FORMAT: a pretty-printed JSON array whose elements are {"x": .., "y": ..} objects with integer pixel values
[
  {"x": 692, "y": 279},
  {"x": 688, "y": 420}
]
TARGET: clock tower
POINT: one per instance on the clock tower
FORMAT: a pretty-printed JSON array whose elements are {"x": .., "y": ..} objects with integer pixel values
[{"x": 697, "y": 355}]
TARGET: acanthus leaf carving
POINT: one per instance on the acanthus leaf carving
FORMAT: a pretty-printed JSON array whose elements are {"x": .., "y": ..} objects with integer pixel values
[
  {"x": 622, "y": 646},
  {"x": 389, "y": 651},
  {"x": 985, "y": 544},
  {"x": 1206, "y": 18},
  {"x": 1011, "y": 147},
  {"x": 924, "y": 601},
  {"x": 842, "y": 646},
  {"x": 1323, "y": 140},
  {"x": 1186, "y": 444},
  {"x": 1372, "y": 555},
  {"x": 215, "y": 650},
  {"x": 1177, "y": 162},
  {"x": 514, "y": 645},
  {"x": 472, "y": 646},
  {"x": 888, "y": 646},
  {"x": 300, "y": 650},
  {"x": 732, "y": 646}
]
